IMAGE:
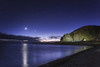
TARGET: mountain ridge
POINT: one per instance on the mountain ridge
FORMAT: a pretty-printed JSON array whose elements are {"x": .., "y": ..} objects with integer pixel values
[{"x": 15, "y": 37}]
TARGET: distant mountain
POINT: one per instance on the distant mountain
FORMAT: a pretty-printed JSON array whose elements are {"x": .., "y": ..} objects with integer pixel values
[
  {"x": 14, "y": 37},
  {"x": 85, "y": 33}
]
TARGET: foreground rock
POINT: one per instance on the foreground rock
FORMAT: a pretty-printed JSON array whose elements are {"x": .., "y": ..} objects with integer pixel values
[{"x": 85, "y": 33}]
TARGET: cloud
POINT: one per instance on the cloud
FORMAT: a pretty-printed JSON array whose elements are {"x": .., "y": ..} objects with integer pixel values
[
  {"x": 54, "y": 37},
  {"x": 37, "y": 38}
]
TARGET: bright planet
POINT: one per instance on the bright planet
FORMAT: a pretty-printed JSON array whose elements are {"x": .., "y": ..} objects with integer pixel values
[{"x": 25, "y": 28}]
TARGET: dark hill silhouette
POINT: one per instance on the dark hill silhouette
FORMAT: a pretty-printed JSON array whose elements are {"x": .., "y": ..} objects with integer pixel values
[{"x": 14, "y": 37}]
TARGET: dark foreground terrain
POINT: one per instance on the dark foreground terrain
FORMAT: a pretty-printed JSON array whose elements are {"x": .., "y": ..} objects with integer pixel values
[{"x": 88, "y": 58}]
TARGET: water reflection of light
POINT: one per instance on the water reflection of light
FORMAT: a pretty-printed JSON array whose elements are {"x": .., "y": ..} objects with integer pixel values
[
  {"x": 24, "y": 51},
  {"x": 81, "y": 49}
]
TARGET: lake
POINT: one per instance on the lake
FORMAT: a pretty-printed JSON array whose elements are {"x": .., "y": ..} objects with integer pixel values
[{"x": 33, "y": 55}]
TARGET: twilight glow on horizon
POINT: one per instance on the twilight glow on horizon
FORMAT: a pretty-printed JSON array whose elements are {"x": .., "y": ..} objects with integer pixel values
[{"x": 45, "y": 18}]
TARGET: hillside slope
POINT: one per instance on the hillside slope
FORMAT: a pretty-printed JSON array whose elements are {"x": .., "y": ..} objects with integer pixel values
[{"x": 85, "y": 33}]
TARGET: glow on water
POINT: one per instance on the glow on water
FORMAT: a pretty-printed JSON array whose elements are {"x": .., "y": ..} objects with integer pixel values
[
  {"x": 24, "y": 51},
  {"x": 33, "y": 55}
]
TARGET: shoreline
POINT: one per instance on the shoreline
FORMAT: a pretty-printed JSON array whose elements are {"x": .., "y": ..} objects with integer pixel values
[
  {"x": 82, "y": 43},
  {"x": 87, "y": 43},
  {"x": 61, "y": 61}
]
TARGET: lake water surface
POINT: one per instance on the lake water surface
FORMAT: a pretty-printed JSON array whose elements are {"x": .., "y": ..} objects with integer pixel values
[{"x": 31, "y": 55}]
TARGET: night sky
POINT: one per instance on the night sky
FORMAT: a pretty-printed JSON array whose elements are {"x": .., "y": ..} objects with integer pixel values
[{"x": 45, "y": 18}]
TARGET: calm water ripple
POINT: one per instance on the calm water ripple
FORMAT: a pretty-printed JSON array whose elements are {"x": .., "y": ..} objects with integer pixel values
[{"x": 31, "y": 55}]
